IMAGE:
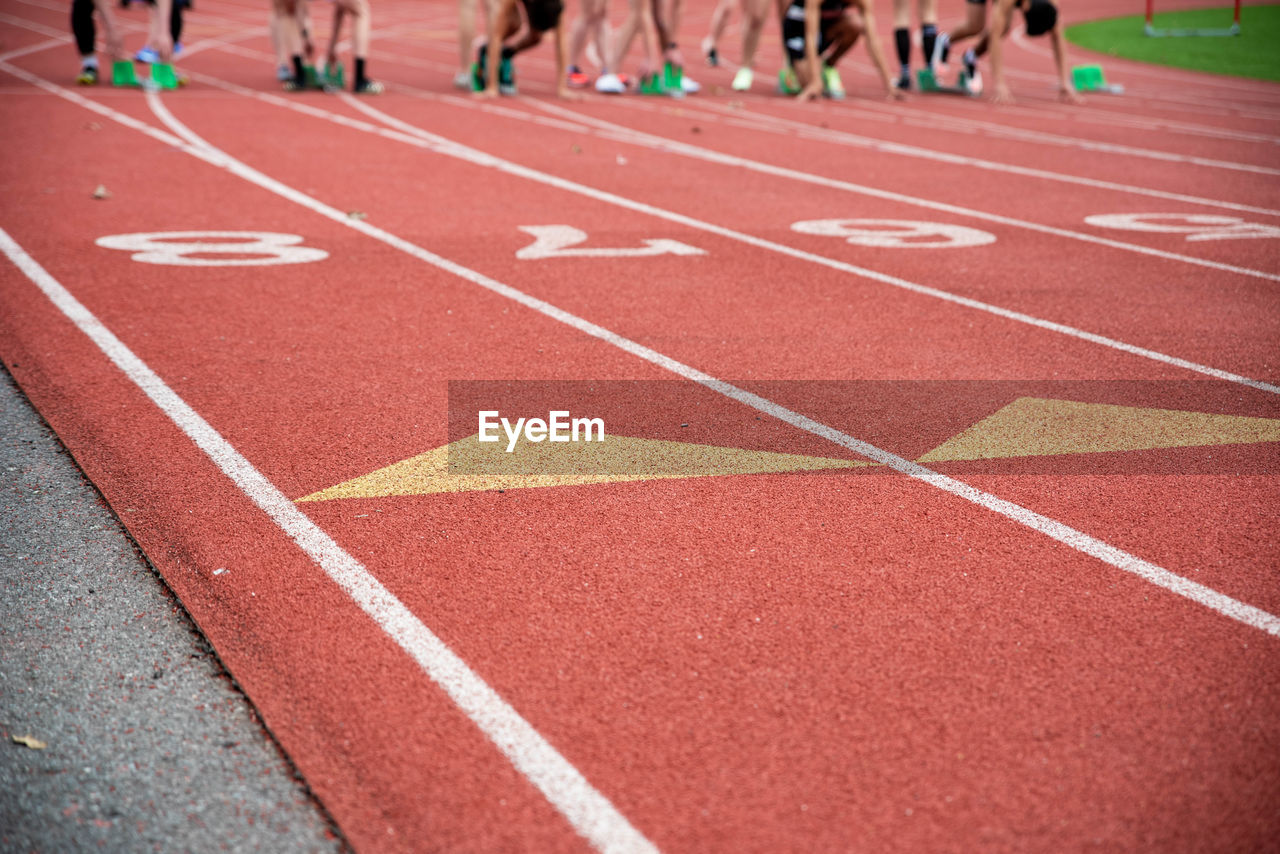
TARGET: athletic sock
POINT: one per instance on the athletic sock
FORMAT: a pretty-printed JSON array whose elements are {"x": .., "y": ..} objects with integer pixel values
[
  {"x": 928, "y": 38},
  {"x": 360, "y": 78},
  {"x": 90, "y": 61},
  {"x": 299, "y": 76},
  {"x": 970, "y": 60},
  {"x": 902, "y": 39},
  {"x": 946, "y": 46}
]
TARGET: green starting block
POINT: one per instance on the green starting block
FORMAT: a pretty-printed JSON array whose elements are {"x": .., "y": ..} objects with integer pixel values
[
  {"x": 123, "y": 74},
  {"x": 163, "y": 76},
  {"x": 667, "y": 82},
  {"x": 333, "y": 79},
  {"x": 1089, "y": 78},
  {"x": 927, "y": 80}
]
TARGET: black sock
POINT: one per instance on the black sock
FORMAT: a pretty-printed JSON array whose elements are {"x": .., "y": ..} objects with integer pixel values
[
  {"x": 902, "y": 39},
  {"x": 508, "y": 52},
  {"x": 946, "y": 49},
  {"x": 928, "y": 38},
  {"x": 175, "y": 22},
  {"x": 82, "y": 26},
  {"x": 360, "y": 78},
  {"x": 299, "y": 76},
  {"x": 970, "y": 60}
]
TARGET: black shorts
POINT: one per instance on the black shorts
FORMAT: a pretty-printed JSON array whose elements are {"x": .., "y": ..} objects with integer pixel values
[
  {"x": 793, "y": 31},
  {"x": 543, "y": 15}
]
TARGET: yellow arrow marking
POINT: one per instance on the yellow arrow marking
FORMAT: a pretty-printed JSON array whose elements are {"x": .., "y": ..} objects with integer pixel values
[
  {"x": 618, "y": 459},
  {"x": 1032, "y": 426}
]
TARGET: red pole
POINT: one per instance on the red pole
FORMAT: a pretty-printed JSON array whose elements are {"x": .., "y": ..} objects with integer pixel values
[
  {"x": 1151, "y": 9},
  {"x": 1149, "y": 2}
]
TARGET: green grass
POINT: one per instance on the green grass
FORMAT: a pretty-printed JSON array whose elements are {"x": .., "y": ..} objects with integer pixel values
[{"x": 1253, "y": 53}]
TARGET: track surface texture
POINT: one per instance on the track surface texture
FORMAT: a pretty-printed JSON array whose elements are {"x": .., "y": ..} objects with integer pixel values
[{"x": 1014, "y": 587}]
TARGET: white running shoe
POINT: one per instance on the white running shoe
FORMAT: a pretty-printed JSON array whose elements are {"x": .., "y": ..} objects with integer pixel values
[
  {"x": 974, "y": 82},
  {"x": 462, "y": 80},
  {"x": 940, "y": 46},
  {"x": 689, "y": 85},
  {"x": 743, "y": 79},
  {"x": 610, "y": 84}
]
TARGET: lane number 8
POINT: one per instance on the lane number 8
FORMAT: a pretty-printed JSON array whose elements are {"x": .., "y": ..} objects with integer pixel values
[{"x": 214, "y": 248}]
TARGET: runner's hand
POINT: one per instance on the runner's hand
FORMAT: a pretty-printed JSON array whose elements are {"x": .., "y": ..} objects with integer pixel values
[
  {"x": 1002, "y": 95},
  {"x": 1069, "y": 96}
]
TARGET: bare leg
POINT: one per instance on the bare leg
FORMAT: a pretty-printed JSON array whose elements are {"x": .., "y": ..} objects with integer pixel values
[
  {"x": 639, "y": 20},
  {"x": 975, "y": 21},
  {"x": 466, "y": 33},
  {"x": 719, "y": 22},
  {"x": 754, "y": 13},
  {"x": 901, "y": 14},
  {"x": 360, "y": 26},
  {"x": 288, "y": 35},
  {"x": 335, "y": 35},
  {"x": 844, "y": 35},
  {"x": 590, "y": 20},
  {"x": 672, "y": 21}
]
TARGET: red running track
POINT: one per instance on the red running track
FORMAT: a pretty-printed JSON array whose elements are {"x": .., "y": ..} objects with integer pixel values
[{"x": 855, "y": 660}]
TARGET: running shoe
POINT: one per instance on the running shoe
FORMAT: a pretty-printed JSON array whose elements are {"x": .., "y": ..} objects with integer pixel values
[
  {"x": 710, "y": 52},
  {"x": 788, "y": 84},
  {"x": 284, "y": 73},
  {"x": 148, "y": 53},
  {"x": 689, "y": 86},
  {"x": 577, "y": 78},
  {"x": 506, "y": 77},
  {"x": 88, "y": 76},
  {"x": 609, "y": 84},
  {"x": 832, "y": 85},
  {"x": 368, "y": 87},
  {"x": 971, "y": 81},
  {"x": 904, "y": 81},
  {"x": 743, "y": 79},
  {"x": 940, "y": 48},
  {"x": 462, "y": 80}
]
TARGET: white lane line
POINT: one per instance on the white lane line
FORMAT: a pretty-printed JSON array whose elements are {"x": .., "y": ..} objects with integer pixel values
[
  {"x": 620, "y": 133},
  {"x": 696, "y": 152},
  {"x": 34, "y": 48},
  {"x": 1078, "y": 540},
  {"x": 629, "y": 135},
  {"x": 1074, "y": 539},
  {"x": 33, "y": 26},
  {"x": 411, "y": 135},
  {"x": 587, "y": 810},
  {"x": 1004, "y": 131},
  {"x": 868, "y": 143}
]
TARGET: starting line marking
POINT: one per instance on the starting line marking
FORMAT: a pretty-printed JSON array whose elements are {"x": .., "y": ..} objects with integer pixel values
[
  {"x": 555, "y": 241},
  {"x": 180, "y": 248}
]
